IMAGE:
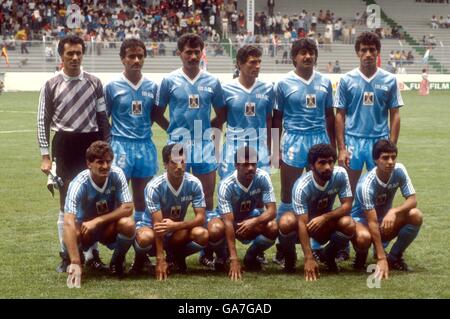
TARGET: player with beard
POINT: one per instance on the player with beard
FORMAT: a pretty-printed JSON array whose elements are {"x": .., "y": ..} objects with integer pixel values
[{"x": 313, "y": 196}]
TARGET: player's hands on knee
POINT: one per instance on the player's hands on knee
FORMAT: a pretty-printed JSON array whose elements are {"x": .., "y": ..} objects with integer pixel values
[
  {"x": 46, "y": 165},
  {"x": 161, "y": 269},
  {"x": 165, "y": 226},
  {"x": 387, "y": 224},
  {"x": 316, "y": 223},
  {"x": 88, "y": 227},
  {"x": 235, "y": 272},
  {"x": 382, "y": 270},
  {"x": 246, "y": 226},
  {"x": 311, "y": 269},
  {"x": 344, "y": 158},
  {"x": 74, "y": 277}
]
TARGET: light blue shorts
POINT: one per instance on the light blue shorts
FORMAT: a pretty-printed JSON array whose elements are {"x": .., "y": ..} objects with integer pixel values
[
  {"x": 137, "y": 158},
  {"x": 227, "y": 167},
  {"x": 360, "y": 151},
  {"x": 295, "y": 147},
  {"x": 144, "y": 220}
]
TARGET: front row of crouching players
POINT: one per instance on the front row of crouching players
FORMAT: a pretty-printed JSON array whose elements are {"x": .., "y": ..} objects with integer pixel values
[{"x": 99, "y": 207}]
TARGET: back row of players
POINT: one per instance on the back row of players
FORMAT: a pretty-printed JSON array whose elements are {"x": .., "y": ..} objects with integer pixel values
[{"x": 98, "y": 205}]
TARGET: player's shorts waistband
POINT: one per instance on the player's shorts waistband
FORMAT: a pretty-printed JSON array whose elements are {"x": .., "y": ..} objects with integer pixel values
[
  {"x": 306, "y": 133},
  {"x": 368, "y": 137},
  {"x": 129, "y": 140}
]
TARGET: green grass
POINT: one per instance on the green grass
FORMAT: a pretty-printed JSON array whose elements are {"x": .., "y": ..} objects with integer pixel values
[{"x": 28, "y": 246}]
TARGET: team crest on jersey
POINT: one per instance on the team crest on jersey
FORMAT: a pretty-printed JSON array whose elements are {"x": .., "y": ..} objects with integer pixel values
[
  {"x": 311, "y": 101},
  {"x": 102, "y": 207},
  {"x": 250, "y": 109},
  {"x": 368, "y": 98},
  {"x": 194, "y": 101},
  {"x": 381, "y": 199},
  {"x": 175, "y": 212},
  {"x": 136, "y": 107},
  {"x": 245, "y": 206},
  {"x": 322, "y": 204}
]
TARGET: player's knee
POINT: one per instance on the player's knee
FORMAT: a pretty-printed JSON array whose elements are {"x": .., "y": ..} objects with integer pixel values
[
  {"x": 180, "y": 237},
  {"x": 415, "y": 217},
  {"x": 216, "y": 230},
  {"x": 347, "y": 225},
  {"x": 363, "y": 240},
  {"x": 287, "y": 223},
  {"x": 272, "y": 229},
  {"x": 145, "y": 237},
  {"x": 200, "y": 235},
  {"x": 126, "y": 226}
]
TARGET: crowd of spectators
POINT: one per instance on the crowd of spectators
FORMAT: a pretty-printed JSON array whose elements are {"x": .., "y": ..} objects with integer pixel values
[{"x": 105, "y": 22}]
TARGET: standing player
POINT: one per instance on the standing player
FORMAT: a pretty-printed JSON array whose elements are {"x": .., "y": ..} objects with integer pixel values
[
  {"x": 71, "y": 104},
  {"x": 167, "y": 198},
  {"x": 377, "y": 221},
  {"x": 190, "y": 93},
  {"x": 313, "y": 215},
  {"x": 98, "y": 208},
  {"x": 238, "y": 204},
  {"x": 249, "y": 103},
  {"x": 304, "y": 108},
  {"x": 130, "y": 100},
  {"x": 366, "y": 97}
]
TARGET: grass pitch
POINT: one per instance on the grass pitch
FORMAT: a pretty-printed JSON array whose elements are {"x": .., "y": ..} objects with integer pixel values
[{"x": 29, "y": 245}]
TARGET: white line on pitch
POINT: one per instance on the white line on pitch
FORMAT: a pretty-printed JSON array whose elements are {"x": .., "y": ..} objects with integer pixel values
[
  {"x": 17, "y": 131},
  {"x": 27, "y": 112}
]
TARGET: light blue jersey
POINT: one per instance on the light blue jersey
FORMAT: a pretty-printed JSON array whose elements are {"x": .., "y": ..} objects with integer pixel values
[
  {"x": 247, "y": 111},
  {"x": 130, "y": 107},
  {"x": 303, "y": 103},
  {"x": 310, "y": 198},
  {"x": 161, "y": 196},
  {"x": 241, "y": 201},
  {"x": 372, "y": 193},
  {"x": 189, "y": 101},
  {"x": 87, "y": 200},
  {"x": 367, "y": 102}
]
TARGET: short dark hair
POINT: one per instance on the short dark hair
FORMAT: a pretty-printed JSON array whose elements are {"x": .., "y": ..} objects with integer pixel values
[
  {"x": 167, "y": 151},
  {"x": 98, "y": 150},
  {"x": 71, "y": 39},
  {"x": 248, "y": 152},
  {"x": 321, "y": 151},
  {"x": 368, "y": 38},
  {"x": 131, "y": 43},
  {"x": 303, "y": 44},
  {"x": 246, "y": 51},
  {"x": 383, "y": 146},
  {"x": 191, "y": 39}
]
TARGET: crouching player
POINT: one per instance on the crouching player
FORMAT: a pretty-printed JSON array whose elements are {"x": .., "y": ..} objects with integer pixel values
[
  {"x": 377, "y": 221},
  {"x": 313, "y": 198},
  {"x": 239, "y": 196},
  {"x": 167, "y": 198},
  {"x": 98, "y": 208}
]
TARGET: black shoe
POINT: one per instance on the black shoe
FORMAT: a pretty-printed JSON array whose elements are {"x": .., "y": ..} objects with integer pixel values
[
  {"x": 330, "y": 263},
  {"x": 95, "y": 263},
  {"x": 180, "y": 265},
  {"x": 262, "y": 258},
  {"x": 397, "y": 263},
  {"x": 342, "y": 255},
  {"x": 140, "y": 263},
  {"x": 318, "y": 255},
  {"x": 206, "y": 261},
  {"x": 117, "y": 269},
  {"x": 359, "y": 263},
  {"x": 290, "y": 263},
  {"x": 279, "y": 256},
  {"x": 252, "y": 264},
  {"x": 220, "y": 265},
  {"x": 65, "y": 262}
]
